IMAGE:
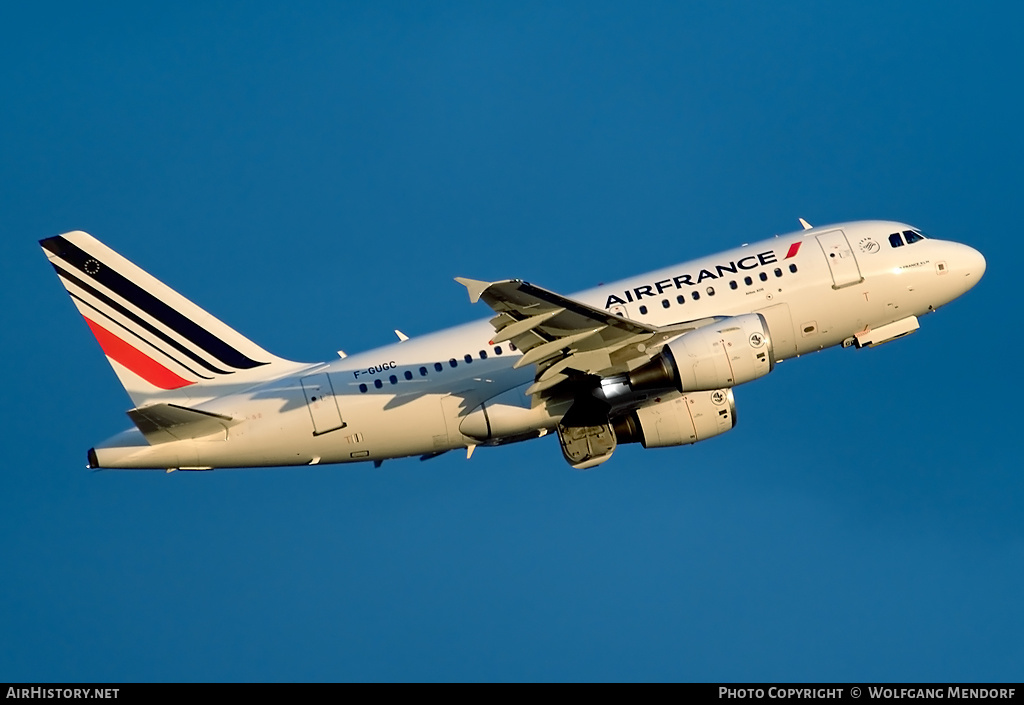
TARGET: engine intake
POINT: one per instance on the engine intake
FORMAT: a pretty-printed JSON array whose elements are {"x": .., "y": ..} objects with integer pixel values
[
  {"x": 681, "y": 421},
  {"x": 732, "y": 351}
]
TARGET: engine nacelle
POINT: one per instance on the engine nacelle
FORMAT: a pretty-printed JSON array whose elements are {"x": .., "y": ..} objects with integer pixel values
[
  {"x": 732, "y": 351},
  {"x": 681, "y": 421}
]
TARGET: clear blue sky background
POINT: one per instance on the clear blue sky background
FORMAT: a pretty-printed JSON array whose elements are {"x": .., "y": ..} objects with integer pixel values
[{"x": 316, "y": 175}]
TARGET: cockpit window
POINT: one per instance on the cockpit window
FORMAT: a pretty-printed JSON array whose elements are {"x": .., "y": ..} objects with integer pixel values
[
  {"x": 896, "y": 240},
  {"x": 912, "y": 236}
]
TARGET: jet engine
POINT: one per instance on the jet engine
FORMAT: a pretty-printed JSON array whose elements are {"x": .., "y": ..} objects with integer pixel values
[
  {"x": 732, "y": 351},
  {"x": 680, "y": 421}
]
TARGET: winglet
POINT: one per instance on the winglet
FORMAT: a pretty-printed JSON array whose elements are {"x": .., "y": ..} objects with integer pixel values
[
  {"x": 807, "y": 226},
  {"x": 402, "y": 337},
  {"x": 475, "y": 287}
]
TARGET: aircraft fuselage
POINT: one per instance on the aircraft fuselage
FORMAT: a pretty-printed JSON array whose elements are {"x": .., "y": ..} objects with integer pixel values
[{"x": 815, "y": 288}]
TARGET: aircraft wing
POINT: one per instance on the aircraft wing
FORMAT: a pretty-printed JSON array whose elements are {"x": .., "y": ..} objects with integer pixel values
[{"x": 567, "y": 338}]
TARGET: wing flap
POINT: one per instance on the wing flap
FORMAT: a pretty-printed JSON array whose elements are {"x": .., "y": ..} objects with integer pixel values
[
  {"x": 567, "y": 338},
  {"x": 551, "y": 348},
  {"x": 516, "y": 328}
]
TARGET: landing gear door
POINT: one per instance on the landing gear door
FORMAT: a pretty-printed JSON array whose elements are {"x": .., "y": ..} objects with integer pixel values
[
  {"x": 840, "y": 258},
  {"x": 323, "y": 408}
]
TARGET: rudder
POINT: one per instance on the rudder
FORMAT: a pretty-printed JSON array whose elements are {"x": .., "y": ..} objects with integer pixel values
[{"x": 163, "y": 347}]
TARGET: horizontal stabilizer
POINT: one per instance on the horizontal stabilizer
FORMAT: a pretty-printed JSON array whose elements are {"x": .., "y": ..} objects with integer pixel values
[{"x": 163, "y": 423}]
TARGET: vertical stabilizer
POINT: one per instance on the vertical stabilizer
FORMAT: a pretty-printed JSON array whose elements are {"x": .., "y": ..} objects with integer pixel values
[{"x": 162, "y": 346}]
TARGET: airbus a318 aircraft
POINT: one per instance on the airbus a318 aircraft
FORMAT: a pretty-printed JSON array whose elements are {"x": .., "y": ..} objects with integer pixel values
[{"x": 652, "y": 359}]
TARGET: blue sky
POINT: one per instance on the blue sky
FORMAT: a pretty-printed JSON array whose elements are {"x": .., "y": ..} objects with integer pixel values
[{"x": 315, "y": 175}]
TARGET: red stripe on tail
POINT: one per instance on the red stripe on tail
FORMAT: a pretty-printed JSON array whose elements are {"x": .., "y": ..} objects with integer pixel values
[
  {"x": 793, "y": 250},
  {"x": 136, "y": 361}
]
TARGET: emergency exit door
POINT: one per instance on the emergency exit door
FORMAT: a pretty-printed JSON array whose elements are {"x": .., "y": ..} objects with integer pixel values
[{"x": 323, "y": 408}]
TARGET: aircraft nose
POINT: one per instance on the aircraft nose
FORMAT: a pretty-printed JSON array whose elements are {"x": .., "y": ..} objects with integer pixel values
[
  {"x": 972, "y": 263},
  {"x": 976, "y": 263},
  {"x": 967, "y": 268}
]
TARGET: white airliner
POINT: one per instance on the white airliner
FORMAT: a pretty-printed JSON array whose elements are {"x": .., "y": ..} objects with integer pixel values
[{"x": 652, "y": 359}]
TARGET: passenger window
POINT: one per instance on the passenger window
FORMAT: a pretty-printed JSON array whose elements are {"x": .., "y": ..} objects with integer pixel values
[
  {"x": 423, "y": 372},
  {"x": 665, "y": 303},
  {"x": 511, "y": 346},
  {"x": 696, "y": 295},
  {"x": 483, "y": 354},
  {"x": 408, "y": 374},
  {"x": 468, "y": 358},
  {"x": 643, "y": 310},
  {"x": 748, "y": 281},
  {"x": 763, "y": 276},
  {"x": 733, "y": 284},
  {"x": 377, "y": 383},
  {"x": 681, "y": 299},
  {"x": 711, "y": 291},
  {"x": 453, "y": 362},
  {"x": 778, "y": 272},
  {"x": 792, "y": 268},
  {"x": 438, "y": 366},
  {"x": 363, "y": 388},
  {"x": 497, "y": 350},
  {"x": 393, "y": 379},
  {"x": 896, "y": 240}
]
